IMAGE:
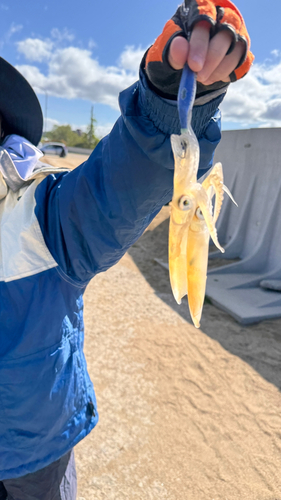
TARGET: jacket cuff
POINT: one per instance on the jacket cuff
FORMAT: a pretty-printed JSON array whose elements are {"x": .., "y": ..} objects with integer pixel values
[{"x": 164, "y": 114}]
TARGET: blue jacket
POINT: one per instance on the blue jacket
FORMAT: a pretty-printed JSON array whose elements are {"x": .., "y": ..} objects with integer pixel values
[{"x": 59, "y": 229}]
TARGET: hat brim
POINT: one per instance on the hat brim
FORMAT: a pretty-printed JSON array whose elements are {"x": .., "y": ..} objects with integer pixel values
[{"x": 19, "y": 105}]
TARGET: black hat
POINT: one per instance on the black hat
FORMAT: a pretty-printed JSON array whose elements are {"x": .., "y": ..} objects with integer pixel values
[{"x": 19, "y": 105}]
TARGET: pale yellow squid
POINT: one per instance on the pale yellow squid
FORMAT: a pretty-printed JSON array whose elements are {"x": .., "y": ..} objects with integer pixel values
[{"x": 192, "y": 220}]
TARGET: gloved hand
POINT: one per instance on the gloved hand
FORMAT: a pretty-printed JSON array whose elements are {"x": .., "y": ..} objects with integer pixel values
[{"x": 211, "y": 36}]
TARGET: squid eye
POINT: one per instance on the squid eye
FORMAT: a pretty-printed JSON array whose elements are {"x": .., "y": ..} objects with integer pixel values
[
  {"x": 199, "y": 214},
  {"x": 184, "y": 203},
  {"x": 183, "y": 148}
]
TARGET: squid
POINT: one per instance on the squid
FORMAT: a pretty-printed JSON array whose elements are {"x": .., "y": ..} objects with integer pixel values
[{"x": 192, "y": 217}]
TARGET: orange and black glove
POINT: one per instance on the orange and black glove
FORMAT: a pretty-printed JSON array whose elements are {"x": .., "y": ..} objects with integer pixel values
[{"x": 222, "y": 15}]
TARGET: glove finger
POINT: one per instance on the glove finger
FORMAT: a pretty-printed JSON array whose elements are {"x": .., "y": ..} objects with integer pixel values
[
  {"x": 218, "y": 48},
  {"x": 231, "y": 19},
  {"x": 160, "y": 73},
  {"x": 242, "y": 69},
  {"x": 222, "y": 15},
  {"x": 155, "y": 53},
  {"x": 199, "y": 45},
  {"x": 201, "y": 10},
  {"x": 178, "y": 52},
  {"x": 225, "y": 68}
]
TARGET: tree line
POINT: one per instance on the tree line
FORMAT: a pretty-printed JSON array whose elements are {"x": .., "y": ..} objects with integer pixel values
[{"x": 73, "y": 138}]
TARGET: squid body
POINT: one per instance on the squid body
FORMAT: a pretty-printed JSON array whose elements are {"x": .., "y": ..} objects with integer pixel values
[{"x": 192, "y": 218}]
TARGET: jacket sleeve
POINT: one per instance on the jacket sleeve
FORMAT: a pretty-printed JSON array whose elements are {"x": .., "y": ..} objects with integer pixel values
[{"x": 90, "y": 216}]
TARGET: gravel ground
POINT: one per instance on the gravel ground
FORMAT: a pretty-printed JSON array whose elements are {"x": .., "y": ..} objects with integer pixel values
[{"x": 185, "y": 414}]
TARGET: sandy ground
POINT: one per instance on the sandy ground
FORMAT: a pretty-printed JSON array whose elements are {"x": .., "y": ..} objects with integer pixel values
[
  {"x": 185, "y": 414},
  {"x": 70, "y": 161}
]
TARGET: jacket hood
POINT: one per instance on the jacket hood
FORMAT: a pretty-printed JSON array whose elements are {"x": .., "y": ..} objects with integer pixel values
[{"x": 20, "y": 164}]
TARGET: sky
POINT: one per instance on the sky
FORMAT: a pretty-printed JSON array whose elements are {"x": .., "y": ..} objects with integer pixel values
[{"x": 78, "y": 54}]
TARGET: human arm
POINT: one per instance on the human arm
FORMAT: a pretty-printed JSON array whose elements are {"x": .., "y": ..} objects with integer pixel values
[{"x": 91, "y": 216}]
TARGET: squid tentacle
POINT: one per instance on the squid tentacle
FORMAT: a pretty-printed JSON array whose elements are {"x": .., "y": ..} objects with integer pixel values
[
  {"x": 213, "y": 184},
  {"x": 226, "y": 190}
]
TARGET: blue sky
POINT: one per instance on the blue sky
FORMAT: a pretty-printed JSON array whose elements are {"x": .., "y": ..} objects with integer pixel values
[{"x": 76, "y": 54}]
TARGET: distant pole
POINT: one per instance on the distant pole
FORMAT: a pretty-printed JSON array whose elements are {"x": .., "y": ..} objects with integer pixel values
[
  {"x": 46, "y": 110},
  {"x": 91, "y": 133},
  {"x": 92, "y": 121}
]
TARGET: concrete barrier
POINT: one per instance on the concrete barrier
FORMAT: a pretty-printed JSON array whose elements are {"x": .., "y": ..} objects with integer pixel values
[
  {"x": 248, "y": 289},
  {"x": 79, "y": 151}
]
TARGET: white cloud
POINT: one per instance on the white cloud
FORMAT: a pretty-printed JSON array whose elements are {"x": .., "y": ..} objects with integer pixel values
[
  {"x": 61, "y": 35},
  {"x": 130, "y": 59},
  {"x": 34, "y": 49},
  {"x": 49, "y": 123},
  {"x": 14, "y": 28},
  {"x": 91, "y": 44},
  {"x": 255, "y": 100},
  {"x": 34, "y": 77},
  {"x": 74, "y": 73}
]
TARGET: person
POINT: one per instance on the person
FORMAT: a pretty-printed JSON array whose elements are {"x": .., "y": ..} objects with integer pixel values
[{"x": 60, "y": 228}]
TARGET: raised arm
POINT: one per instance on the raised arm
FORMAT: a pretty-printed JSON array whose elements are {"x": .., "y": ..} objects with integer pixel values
[{"x": 89, "y": 217}]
